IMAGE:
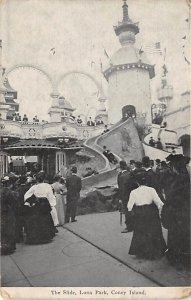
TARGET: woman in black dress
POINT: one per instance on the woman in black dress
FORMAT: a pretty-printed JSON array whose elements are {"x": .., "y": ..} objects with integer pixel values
[
  {"x": 8, "y": 217},
  {"x": 39, "y": 199},
  {"x": 176, "y": 213},
  {"x": 145, "y": 204}
]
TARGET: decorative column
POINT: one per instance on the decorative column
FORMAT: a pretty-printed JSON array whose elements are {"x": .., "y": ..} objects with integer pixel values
[
  {"x": 54, "y": 110},
  {"x": 102, "y": 112}
]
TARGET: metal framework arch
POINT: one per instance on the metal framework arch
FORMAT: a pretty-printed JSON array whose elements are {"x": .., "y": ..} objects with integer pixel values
[
  {"x": 82, "y": 73},
  {"x": 33, "y": 67}
]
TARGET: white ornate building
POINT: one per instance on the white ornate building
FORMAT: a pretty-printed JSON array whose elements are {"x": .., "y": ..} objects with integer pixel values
[
  {"x": 179, "y": 120},
  {"x": 129, "y": 73}
]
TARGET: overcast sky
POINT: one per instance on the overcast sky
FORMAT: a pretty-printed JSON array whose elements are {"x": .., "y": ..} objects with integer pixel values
[{"x": 80, "y": 30}]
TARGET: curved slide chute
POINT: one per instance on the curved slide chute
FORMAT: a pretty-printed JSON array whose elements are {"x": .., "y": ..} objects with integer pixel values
[{"x": 123, "y": 141}]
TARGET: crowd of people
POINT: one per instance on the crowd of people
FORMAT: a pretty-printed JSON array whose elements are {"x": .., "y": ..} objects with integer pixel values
[
  {"x": 156, "y": 196},
  {"x": 32, "y": 209},
  {"x": 96, "y": 122},
  {"x": 153, "y": 194},
  {"x": 17, "y": 117}
]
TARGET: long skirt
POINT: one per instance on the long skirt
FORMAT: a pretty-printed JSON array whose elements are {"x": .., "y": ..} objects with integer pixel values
[
  {"x": 8, "y": 230},
  {"x": 147, "y": 241},
  {"x": 179, "y": 237},
  {"x": 54, "y": 216},
  {"x": 39, "y": 226},
  {"x": 60, "y": 208}
]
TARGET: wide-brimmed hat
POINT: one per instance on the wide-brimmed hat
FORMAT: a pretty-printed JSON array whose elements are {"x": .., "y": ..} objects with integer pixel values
[
  {"x": 178, "y": 161},
  {"x": 145, "y": 160}
]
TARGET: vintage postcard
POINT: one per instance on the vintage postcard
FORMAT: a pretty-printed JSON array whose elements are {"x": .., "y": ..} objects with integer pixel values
[{"x": 95, "y": 149}]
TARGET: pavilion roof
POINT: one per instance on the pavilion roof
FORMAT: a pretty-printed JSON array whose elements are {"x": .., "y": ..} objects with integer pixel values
[
  {"x": 33, "y": 143},
  {"x": 42, "y": 144}
]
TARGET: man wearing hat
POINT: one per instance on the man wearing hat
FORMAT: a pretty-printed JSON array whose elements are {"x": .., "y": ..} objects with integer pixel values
[
  {"x": 151, "y": 176},
  {"x": 152, "y": 142},
  {"x": 132, "y": 165},
  {"x": 73, "y": 185},
  {"x": 126, "y": 185}
]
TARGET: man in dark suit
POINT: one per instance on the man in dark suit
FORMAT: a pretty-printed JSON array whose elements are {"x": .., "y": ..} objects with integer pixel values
[
  {"x": 73, "y": 185},
  {"x": 151, "y": 177},
  {"x": 126, "y": 184},
  {"x": 90, "y": 122}
]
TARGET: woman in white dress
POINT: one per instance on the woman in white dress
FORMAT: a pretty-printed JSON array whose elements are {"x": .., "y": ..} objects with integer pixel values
[
  {"x": 59, "y": 191},
  {"x": 40, "y": 200},
  {"x": 147, "y": 241}
]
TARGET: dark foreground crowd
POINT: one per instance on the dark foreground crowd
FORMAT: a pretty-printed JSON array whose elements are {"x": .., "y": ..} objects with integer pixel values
[
  {"x": 156, "y": 195},
  {"x": 31, "y": 208},
  {"x": 152, "y": 194}
]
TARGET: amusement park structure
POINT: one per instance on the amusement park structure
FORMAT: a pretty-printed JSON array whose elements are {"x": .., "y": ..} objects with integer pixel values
[{"x": 63, "y": 141}]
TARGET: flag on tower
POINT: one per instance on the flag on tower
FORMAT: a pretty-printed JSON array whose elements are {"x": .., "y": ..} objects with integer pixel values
[
  {"x": 153, "y": 48},
  {"x": 105, "y": 52},
  {"x": 141, "y": 51},
  {"x": 186, "y": 60},
  {"x": 164, "y": 54},
  {"x": 165, "y": 71},
  {"x": 101, "y": 66}
]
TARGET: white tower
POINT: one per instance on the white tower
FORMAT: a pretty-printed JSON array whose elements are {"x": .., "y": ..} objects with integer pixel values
[{"x": 129, "y": 73}]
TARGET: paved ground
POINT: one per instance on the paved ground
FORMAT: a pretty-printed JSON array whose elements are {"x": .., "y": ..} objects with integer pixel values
[
  {"x": 72, "y": 261},
  {"x": 67, "y": 261},
  {"x": 104, "y": 231}
]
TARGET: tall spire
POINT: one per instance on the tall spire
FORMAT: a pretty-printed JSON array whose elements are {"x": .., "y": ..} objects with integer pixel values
[
  {"x": 125, "y": 11},
  {"x": 126, "y": 29}
]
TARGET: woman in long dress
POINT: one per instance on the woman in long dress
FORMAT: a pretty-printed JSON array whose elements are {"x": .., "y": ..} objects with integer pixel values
[
  {"x": 8, "y": 217},
  {"x": 147, "y": 241},
  {"x": 59, "y": 190},
  {"x": 176, "y": 213},
  {"x": 39, "y": 225}
]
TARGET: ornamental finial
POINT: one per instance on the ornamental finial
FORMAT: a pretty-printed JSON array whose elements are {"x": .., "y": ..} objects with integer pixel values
[{"x": 125, "y": 11}]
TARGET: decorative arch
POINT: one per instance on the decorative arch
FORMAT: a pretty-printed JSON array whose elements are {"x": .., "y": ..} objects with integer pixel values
[
  {"x": 33, "y": 67},
  {"x": 86, "y": 74}
]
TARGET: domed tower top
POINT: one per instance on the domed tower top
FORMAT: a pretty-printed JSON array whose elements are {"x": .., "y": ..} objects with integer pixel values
[
  {"x": 126, "y": 29},
  {"x": 128, "y": 56}
]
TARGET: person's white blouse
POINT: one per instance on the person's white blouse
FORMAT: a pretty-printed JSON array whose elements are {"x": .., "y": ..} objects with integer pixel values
[
  {"x": 144, "y": 195},
  {"x": 41, "y": 190}
]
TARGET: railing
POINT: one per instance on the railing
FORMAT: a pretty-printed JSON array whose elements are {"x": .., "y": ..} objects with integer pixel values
[{"x": 40, "y": 130}]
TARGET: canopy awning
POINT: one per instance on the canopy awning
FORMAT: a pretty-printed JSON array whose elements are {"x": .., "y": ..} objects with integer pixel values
[{"x": 33, "y": 144}]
